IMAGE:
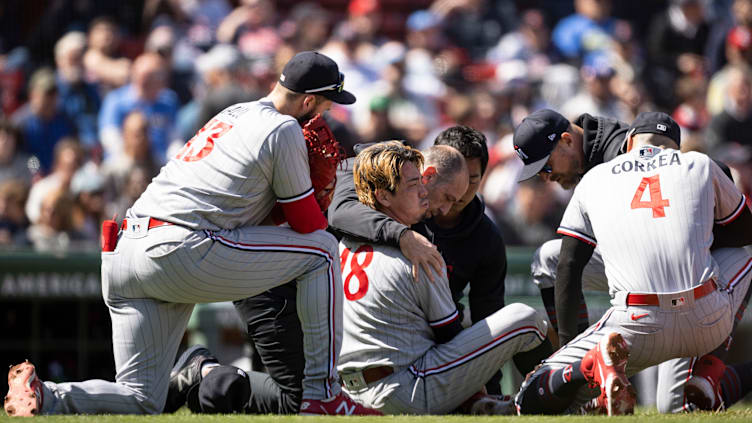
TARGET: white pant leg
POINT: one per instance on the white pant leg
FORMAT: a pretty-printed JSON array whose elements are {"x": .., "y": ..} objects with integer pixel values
[
  {"x": 672, "y": 375},
  {"x": 546, "y": 259},
  {"x": 152, "y": 281},
  {"x": 449, "y": 373}
]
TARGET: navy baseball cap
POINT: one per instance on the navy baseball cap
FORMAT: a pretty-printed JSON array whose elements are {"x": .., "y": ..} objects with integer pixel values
[
  {"x": 311, "y": 72},
  {"x": 535, "y": 139},
  {"x": 656, "y": 123}
]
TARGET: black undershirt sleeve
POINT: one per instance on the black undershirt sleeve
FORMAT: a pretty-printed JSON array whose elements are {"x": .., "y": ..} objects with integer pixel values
[
  {"x": 573, "y": 257},
  {"x": 447, "y": 332},
  {"x": 736, "y": 234}
]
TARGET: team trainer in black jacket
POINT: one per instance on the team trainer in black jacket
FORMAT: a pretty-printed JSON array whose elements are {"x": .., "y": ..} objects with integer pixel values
[{"x": 468, "y": 241}]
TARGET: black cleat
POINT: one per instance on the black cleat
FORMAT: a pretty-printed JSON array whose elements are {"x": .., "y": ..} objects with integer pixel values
[{"x": 186, "y": 375}]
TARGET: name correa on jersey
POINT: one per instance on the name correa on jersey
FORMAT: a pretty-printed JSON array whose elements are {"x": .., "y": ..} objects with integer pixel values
[{"x": 646, "y": 166}]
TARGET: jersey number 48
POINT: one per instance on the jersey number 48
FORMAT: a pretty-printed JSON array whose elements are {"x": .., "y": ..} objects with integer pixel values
[{"x": 355, "y": 271}]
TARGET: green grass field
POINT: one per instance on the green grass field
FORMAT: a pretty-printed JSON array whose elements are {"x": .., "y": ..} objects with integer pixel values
[{"x": 739, "y": 413}]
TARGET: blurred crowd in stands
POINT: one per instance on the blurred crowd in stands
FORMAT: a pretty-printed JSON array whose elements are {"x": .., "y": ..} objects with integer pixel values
[{"x": 96, "y": 96}]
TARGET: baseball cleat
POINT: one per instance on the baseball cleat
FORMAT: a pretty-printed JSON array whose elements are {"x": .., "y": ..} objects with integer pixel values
[
  {"x": 186, "y": 375},
  {"x": 605, "y": 366},
  {"x": 703, "y": 389},
  {"x": 24, "y": 398},
  {"x": 340, "y": 404}
]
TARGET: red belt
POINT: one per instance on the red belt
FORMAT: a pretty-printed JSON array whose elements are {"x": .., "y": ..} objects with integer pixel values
[
  {"x": 373, "y": 374},
  {"x": 153, "y": 223},
  {"x": 652, "y": 299}
]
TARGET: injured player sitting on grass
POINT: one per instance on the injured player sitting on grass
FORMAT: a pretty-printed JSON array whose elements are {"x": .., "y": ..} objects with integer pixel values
[{"x": 403, "y": 348}]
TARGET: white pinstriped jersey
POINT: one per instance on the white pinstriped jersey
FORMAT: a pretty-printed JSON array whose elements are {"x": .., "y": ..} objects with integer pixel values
[
  {"x": 232, "y": 172},
  {"x": 651, "y": 213},
  {"x": 388, "y": 317}
]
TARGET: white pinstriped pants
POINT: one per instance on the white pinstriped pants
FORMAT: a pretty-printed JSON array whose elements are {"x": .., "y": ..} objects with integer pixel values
[
  {"x": 152, "y": 280},
  {"x": 666, "y": 333},
  {"x": 448, "y": 374}
]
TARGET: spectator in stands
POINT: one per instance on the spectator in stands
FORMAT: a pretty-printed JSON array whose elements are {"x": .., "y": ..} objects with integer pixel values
[
  {"x": 14, "y": 163},
  {"x": 13, "y": 221},
  {"x": 54, "y": 232},
  {"x": 310, "y": 26},
  {"x": 41, "y": 122},
  {"x": 220, "y": 69},
  {"x": 738, "y": 53},
  {"x": 78, "y": 98},
  {"x": 530, "y": 43},
  {"x": 103, "y": 65},
  {"x": 740, "y": 16},
  {"x": 162, "y": 40},
  {"x": 252, "y": 27},
  {"x": 676, "y": 43},
  {"x": 691, "y": 114},
  {"x": 596, "y": 95},
  {"x": 148, "y": 93},
  {"x": 533, "y": 215},
  {"x": 68, "y": 157},
  {"x": 87, "y": 190},
  {"x": 475, "y": 25},
  {"x": 134, "y": 184},
  {"x": 590, "y": 28},
  {"x": 379, "y": 127},
  {"x": 136, "y": 153},
  {"x": 734, "y": 123}
]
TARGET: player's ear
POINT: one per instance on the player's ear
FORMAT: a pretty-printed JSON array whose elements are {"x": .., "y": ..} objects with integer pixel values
[
  {"x": 630, "y": 141},
  {"x": 383, "y": 197},
  {"x": 428, "y": 173},
  {"x": 566, "y": 138}
]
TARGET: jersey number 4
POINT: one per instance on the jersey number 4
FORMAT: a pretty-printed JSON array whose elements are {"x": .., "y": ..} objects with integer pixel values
[
  {"x": 202, "y": 143},
  {"x": 356, "y": 271},
  {"x": 657, "y": 202}
]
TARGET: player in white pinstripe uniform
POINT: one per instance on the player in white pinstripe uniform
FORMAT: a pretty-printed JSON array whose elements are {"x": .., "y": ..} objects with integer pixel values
[
  {"x": 583, "y": 144},
  {"x": 403, "y": 348},
  {"x": 654, "y": 228},
  {"x": 195, "y": 235}
]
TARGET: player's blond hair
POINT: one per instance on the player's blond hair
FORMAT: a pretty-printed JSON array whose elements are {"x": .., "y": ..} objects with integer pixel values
[{"x": 380, "y": 167}]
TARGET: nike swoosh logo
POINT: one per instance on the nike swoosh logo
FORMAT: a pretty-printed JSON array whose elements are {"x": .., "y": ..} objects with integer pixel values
[{"x": 639, "y": 316}]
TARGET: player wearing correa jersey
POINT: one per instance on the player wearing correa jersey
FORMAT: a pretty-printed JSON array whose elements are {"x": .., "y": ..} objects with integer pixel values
[
  {"x": 562, "y": 151},
  {"x": 651, "y": 212},
  {"x": 403, "y": 349}
]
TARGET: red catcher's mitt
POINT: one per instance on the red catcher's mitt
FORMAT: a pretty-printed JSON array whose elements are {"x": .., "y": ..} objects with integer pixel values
[{"x": 324, "y": 154}]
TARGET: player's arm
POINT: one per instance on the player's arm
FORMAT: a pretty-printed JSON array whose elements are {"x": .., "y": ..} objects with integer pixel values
[
  {"x": 348, "y": 216},
  {"x": 577, "y": 247},
  {"x": 734, "y": 230},
  {"x": 436, "y": 302},
  {"x": 291, "y": 179},
  {"x": 575, "y": 254},
  {"x": 487, "y": 283}
]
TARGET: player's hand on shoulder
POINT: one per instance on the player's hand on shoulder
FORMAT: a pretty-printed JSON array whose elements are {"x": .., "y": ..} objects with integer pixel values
[{"x": 422, "y": 254}]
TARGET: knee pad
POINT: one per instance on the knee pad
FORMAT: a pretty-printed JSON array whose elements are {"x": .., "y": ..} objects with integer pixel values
[{"x": 224, "y": 390}]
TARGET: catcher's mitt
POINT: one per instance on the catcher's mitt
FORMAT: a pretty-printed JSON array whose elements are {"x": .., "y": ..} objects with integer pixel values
[{"x": 324, "y": 154}]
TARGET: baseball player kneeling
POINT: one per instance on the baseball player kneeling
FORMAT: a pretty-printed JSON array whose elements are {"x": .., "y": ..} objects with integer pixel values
[
  {"x": 654, "y": 228},
  {"x": 403, "y": 349}
]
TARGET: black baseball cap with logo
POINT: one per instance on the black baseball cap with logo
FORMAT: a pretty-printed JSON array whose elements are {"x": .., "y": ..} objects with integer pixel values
[
  {"x": 656, "y": 123},
  {"x": 535, "y": 139},
  {"x": 311, "y": 72}
]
